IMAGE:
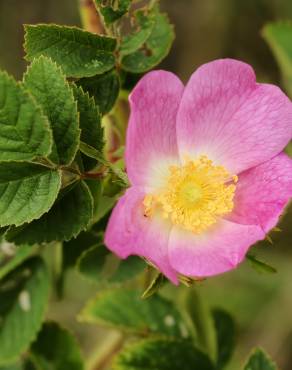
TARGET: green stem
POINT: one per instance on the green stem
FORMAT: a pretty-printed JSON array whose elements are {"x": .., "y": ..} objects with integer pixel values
[{"x": 200, "y": 321}]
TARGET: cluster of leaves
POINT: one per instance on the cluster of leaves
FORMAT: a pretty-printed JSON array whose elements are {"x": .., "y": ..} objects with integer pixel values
[
  {"x": 56, "y": 180},
  {"x": 51, "y": 133},
  {"x": 171, "y": 335},
  {"x": 158, "y": 333},
  {"x": 57, "y": 185}
]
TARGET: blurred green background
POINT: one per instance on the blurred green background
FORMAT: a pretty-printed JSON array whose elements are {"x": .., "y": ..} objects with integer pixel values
[{"x": 205, "y": 30}]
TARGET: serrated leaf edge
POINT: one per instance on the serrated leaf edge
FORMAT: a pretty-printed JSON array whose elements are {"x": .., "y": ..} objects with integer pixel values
[
  {"x": 63, "y": 238},
  {"x": 66, "y": 83},
  {"x": 26, "y": 26},
  {"x": 95, "y": 107},
  {"x": 260, "y": 350},
  {"x": 38, "y": 215},
  {"x": 39, "y": 108},
  {"x": 130, "y": 346}
]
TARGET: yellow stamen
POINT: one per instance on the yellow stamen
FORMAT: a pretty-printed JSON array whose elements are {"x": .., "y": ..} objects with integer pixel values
[{"x": 194, "y": 196}]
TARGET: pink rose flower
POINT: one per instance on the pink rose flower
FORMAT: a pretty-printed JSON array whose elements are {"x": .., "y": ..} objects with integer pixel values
[{"x": 207, "y": 172}]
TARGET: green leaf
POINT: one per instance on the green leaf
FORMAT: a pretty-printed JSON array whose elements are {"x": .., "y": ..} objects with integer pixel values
[
  {"x": 20, "y": 254},
  {"x": 155, "y": 49},
  {"x": 24, "y": 130},
  {"x": 161, "y": 354},
  {"x": 95, "y": 188},
  {"x": 260, "y": 266},
  {"x": 23, "y": 299},
  {"x": 105, "y": 204},
  {"x": 70, "y": 215},
  {"x": 56, "y": 348},
  {"x": 79, "y": 53},
  {"x": 31, "y": 363},
  {"x": 101, "y": 267},
  {"x": 71, "y": 252},
  {"x": 111, "y": 14},
  {"x": 90, "y": 120},
  {"x": 134, "y": 41},
  {"x": 91, "y": 152},
  {"x": 47, "y": 83},
  {"x": 91, "y": 263},
  {"x": 73, "y": 249},
  {"x": 125, "y": 310},
  {"x": 26, "y": 191},
  {"x": 278, "y": 36},
  {"x": 12, "y": 367},
  {"x": 127, "y": 269},
  {"x": 259, "y": 361},
  {"x": 104, "y": 89},
  {"x": 225, "y": 334},
  {"x": 90, "y": 123}
]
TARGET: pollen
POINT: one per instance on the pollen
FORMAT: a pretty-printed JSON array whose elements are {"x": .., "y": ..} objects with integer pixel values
[{"x": 194, "y": 196}]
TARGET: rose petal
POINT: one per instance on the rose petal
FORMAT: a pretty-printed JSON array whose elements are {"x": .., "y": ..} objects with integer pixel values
[
  {"x": 226, "y": 115},
  {"x": 216, "y": 251},
  {"x": 129, "y": 232},
  {"x": 151, "y": 137},
  {"x": 263, "y": 192}
]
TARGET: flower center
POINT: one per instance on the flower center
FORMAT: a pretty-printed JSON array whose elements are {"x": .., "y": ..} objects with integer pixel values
[{"x": 194, "y": 196}]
